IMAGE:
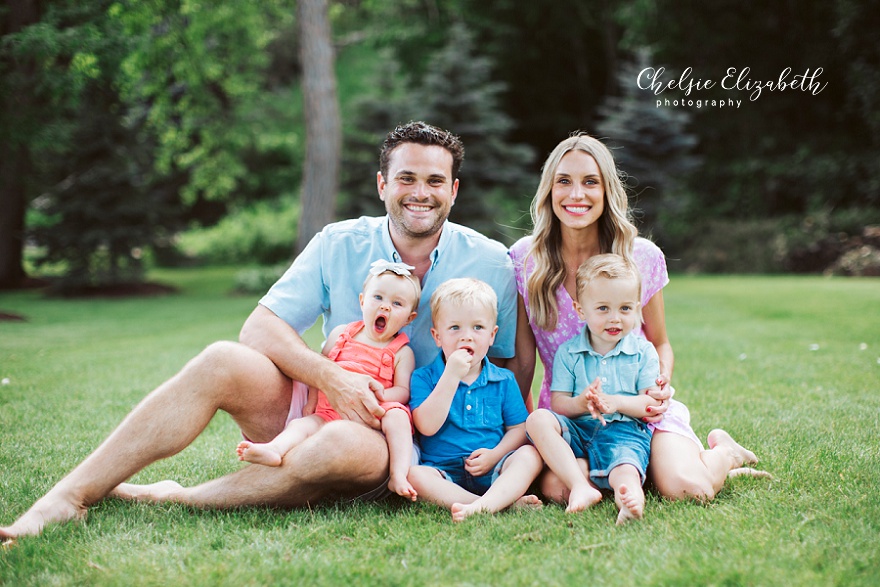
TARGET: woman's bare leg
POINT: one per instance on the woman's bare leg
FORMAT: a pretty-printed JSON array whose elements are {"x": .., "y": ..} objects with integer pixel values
[{"x": 680, "y": 470}]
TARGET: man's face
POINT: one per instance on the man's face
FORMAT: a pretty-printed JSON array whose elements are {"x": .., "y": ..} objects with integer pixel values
[{"x": 419, "y": 190}]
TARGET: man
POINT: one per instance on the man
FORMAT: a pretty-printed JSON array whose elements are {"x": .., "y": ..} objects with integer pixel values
[{"x": 251, "y": 380}]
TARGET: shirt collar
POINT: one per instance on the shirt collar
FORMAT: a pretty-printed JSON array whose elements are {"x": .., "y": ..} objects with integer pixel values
[
  {"x": 395, "y": 256},
  {"x": 627, "y": 346}
]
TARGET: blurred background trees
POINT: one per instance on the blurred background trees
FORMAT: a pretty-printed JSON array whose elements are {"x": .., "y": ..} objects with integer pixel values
[{"x": 173, "y": 131}]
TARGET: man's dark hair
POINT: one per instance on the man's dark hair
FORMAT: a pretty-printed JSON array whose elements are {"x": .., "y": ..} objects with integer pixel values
[{"x": 421, "y": 133}]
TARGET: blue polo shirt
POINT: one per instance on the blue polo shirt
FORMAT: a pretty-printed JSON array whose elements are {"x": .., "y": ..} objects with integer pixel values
[
  {"x": 326, "y": 278},
  {"x": 630, "y": 366},
  {"x": 478, "y": 417}
]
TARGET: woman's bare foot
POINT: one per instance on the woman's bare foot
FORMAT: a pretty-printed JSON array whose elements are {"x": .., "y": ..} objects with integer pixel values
[
  {"x": 161, "y": 491},
  {"x": 258, "y": 454},
  {"x": 740, "y": 454},
  {"x": 402, "y": 487},
  {"x": 631, "y": 503},
  {"x": 582, "y": 497},
  {"x": 50, "y": 509}
]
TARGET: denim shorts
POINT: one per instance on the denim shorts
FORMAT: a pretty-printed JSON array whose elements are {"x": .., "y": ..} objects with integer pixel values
[
  {"x": 454, "y": 471},
  {"x": 621, "y": 442}
]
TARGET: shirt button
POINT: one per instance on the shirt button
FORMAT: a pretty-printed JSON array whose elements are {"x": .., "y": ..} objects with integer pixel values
[
  {"x": 468, "y": 407},
  {"x": 604, "y": 362},
  {"x": 604, "y": 379}
]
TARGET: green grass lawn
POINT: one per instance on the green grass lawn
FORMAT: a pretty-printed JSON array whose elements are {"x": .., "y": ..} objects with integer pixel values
[{"x": 789, "y": 365}]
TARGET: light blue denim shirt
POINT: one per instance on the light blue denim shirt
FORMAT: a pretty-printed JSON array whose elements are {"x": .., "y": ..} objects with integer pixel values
[
  {"x": 630, "y": 366},
  {"x": 326, "y": 278}
]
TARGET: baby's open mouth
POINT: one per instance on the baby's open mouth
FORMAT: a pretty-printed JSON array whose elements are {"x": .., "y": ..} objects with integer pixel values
[{"x": 380, "y": 323}]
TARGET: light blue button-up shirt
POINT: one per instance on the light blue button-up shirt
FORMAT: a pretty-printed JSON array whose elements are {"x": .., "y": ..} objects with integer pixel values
[
  {"x": 629, "y": 367},
  {"x": 326, "y": 278}
]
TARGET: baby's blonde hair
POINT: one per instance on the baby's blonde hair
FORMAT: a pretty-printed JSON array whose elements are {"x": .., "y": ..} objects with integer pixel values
[
  {"x": 462, "y": 290},
  {"x": 417, "y": 288},
  {"x": 609, "y": 266}
]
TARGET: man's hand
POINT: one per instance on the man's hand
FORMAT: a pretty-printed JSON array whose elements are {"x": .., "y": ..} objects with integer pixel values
[
  {"x": 356, "y": 397},
  {"x": 481, "y": 462}
]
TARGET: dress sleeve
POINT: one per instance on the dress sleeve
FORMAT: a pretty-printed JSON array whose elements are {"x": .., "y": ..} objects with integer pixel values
[{"x": 652, "y": 265}]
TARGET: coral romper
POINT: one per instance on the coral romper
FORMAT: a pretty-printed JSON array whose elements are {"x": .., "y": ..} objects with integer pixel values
[{"x": 358, "y": 357}]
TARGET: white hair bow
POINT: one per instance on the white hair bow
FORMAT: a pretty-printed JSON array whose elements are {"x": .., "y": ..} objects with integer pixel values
[{"x": 381, "y": 266}]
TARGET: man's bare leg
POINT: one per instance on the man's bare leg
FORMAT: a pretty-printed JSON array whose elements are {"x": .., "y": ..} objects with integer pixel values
[
  {"x": 343, "y": 458},
  {"x": 226, "y": 376}
]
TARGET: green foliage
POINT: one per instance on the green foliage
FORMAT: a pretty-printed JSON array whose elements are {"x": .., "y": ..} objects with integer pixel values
[
  {"x": 73, "y": 375},
  {"x": 652, "y": 146},
  {"x": 827, "y": 241},
  {"x": 791, "y": 152},
  {"x": 261, "y": 233},
  {"x": 456, "y": 93}
]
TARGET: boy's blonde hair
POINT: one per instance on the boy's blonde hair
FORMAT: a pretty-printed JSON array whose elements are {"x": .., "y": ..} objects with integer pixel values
[
  {"x": 417, "y": 288},
  {"x": 609, "y": 266},
  {"x": 459, "y": 291}
]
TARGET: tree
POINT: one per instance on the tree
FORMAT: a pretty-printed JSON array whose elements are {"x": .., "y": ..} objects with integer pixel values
[
  {"x": 323, "y": 126},
  {"x": 14, "y": 152},
  {"x": 652, "y": 146},
  {"x": 455, "y": 92}
]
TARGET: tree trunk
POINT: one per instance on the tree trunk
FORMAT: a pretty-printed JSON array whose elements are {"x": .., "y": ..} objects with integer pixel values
[
  {"x": 13, "y": 168},
  {"x": 323, "y": 125}
]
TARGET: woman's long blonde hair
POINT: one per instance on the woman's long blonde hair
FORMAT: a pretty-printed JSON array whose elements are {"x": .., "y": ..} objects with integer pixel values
[{"x": 616, "y": 230}]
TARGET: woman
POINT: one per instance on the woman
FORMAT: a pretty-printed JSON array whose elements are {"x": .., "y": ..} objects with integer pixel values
[{"x": 580, "y": 210}]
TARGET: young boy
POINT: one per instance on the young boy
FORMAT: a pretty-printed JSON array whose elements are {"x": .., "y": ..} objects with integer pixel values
[
  {"x": 469, "y": 412},
  {"x": 605, "y": 369}
]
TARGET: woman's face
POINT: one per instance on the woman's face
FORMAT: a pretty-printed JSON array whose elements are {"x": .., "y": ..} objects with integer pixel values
[{"x": 577, "y": 193}]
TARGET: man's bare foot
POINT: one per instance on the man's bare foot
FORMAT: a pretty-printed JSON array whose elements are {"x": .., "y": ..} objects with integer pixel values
[
  {"x": 462, "y": 511},
  {"x": 155, "y": 492},
  {"x": 748, "y": 472},
  {"x": 528, "y": 502},
  {"x": 50, "y": 509},
  {"x": 740, "y": 454},
  {"x": 631, "y": 503},
  {"x": 258, "y": 454},
  {"x": 402, "y": 487},
  {"x": 582, "y": 497}
]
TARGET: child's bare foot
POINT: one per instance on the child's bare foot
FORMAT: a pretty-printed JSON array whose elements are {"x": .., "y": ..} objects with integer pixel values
[
  {"x": 582, "y": 497},
  {"x": 462, "y": 511},
  {"x": 740, "y": 454},
  {"x": 402, "y": 487},
  {"x": 258, "y": 454},
  {"x": 631, "y": 503},
  {"x": 530, "y": 502},
  {"x": 155, "y": 492},
  {"x": 51, "y": 509}
]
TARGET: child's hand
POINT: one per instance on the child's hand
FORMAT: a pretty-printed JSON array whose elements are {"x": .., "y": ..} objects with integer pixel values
[
  {"x": 481, "y": 462},
  {"x": 459, "y": 363},
  {"x": 595, "y": 401},
  {"x": 311, "y": 402}
]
